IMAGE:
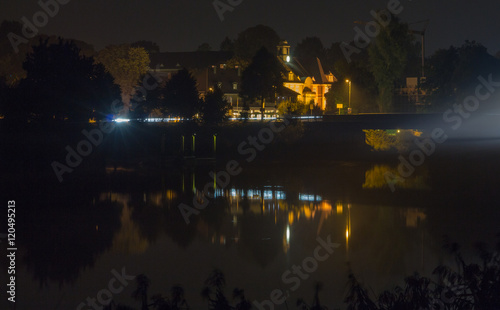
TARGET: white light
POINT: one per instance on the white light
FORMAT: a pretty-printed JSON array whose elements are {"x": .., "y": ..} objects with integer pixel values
[
  {"x": 287, "y": 58},
  {"x": 122, "y": 120}
]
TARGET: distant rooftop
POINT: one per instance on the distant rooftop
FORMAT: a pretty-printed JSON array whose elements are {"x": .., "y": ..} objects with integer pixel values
[{"x": 189, "y": 60}]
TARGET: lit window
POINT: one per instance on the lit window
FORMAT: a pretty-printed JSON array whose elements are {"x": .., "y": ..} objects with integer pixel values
[
  {"x": 219, "y": 84},
  {"x": 235, "y": 86}
]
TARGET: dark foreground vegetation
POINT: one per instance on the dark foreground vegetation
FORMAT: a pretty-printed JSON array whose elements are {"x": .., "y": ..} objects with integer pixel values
[{"x": 470, "y": 285}]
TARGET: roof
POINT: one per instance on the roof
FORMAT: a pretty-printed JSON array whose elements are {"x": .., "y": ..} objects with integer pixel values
[
  {"x": 188, "y": 60},
  {"x": 210, "y": 77},
  {"x": 314, "y": 71}
]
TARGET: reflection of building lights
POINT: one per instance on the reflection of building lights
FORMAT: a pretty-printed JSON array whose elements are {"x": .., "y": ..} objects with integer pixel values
[
  {"x": 170, "y": 194},
  {"x": 307, "y": 197},
  {"x": 280, "y": 195},
  {"x": 340, "y": 207},
  {"x": 268, "y": 194},
  {"x": 288, "y": 234}
]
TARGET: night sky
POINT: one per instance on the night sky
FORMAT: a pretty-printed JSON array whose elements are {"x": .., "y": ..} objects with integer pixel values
[{"x": 182, "y": 25}]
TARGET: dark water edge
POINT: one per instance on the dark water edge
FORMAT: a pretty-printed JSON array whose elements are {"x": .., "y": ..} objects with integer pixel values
[{"x": 156, "y": 146}]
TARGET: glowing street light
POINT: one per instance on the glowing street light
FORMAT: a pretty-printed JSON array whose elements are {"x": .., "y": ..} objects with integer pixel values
[{"x": 349, "y": 81}]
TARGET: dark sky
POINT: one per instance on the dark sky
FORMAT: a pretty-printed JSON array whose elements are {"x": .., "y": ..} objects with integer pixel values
[{"x": 182, "y": 25}]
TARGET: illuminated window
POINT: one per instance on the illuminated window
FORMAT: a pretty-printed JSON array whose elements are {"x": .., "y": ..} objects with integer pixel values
[{"x": 235, "y": 86}]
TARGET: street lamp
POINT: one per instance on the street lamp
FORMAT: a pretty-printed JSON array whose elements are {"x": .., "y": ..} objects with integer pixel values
[{"x": 349, "y": 81}]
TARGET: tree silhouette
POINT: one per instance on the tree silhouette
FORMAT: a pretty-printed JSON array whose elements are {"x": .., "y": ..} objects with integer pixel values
[
  {"x": 249, "y": 42},
  {"x": 141, "y": 292},
  {"x": 180, "y": 96},
  {"x": 262, "y": 79},
  {"x": 214, "y": 107},
  {"x": 204, "y": 47},
  {"x": 389, "y": 54},
  {"x": 253, "y": 39},
  {"x": 227, "y": 45},
  {"x": 316, "y": 305},
  {"x": 452, "y": 72},
  {"x": 308, "y": 50},
  {"x": 61, "y": 84},
  {"x": 214, "y": 291}
]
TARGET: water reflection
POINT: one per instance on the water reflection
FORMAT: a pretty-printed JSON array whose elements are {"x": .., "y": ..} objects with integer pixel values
[
  {"x": 62, "y": 235},
  {"x": 258, "y": 226},
  {"x": 377, "y": 178},
  {"x": 260, "y": 221}
]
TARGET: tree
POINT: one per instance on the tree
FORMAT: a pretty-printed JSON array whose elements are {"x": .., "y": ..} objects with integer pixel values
[
  {"x": 262, "y": 79},
  {"x": 61, "y": 84},
  {"x": 204, "y": 47},
  {"x": 452, "y": 72},
  {"x": 153, "y": 103},
  {"x": 141, "y": 292},
  {"x": 149, "y": 46},
  {"x": 214, "y": 291},
  {"x": 180, "y": 96},
  {"x": 227, "y": 45},
  {"x": 214, "y": 107},
  {"x": 308, "y": 50},
  {"x": 292, "y": 107},
  {"x": 389, "y": 54},
  {"x": 357, "y": 71},
  {"x": 252, "y": 40},
  {"x": 126, "y": 64}
]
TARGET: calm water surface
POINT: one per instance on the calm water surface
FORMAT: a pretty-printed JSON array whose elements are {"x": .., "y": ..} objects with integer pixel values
[{"x": 265, "y": 221}]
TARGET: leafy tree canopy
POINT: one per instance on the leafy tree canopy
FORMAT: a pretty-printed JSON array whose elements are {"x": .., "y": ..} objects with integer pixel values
[
  {"x": 262, "y": 78},
  {"x": 126, "y": 64},
  {"x": 388, "y": 54},
  {"x": 252, "y": 40},
  {"x": 452, "y": 73}
]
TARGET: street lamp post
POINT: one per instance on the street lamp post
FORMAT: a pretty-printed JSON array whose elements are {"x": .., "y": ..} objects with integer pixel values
[{"x": 349, "y": 81}]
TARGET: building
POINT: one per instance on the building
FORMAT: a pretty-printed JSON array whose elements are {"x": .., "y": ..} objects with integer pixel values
[
  {"x": 211, "y": 70},
  {"x": 308, "y": 84}
]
